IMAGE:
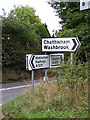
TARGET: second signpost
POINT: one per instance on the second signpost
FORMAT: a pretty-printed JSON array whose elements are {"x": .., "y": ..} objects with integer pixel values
[
  {"x": 34, "y": 62},
  {"x": 70, "y": 44}
]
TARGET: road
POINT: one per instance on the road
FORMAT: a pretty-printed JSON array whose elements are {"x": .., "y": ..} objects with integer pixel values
[{"x": 13, "y": 90}]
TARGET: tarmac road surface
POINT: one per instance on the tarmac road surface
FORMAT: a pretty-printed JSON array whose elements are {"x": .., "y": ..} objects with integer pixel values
[{"x": 13, "y": 90}]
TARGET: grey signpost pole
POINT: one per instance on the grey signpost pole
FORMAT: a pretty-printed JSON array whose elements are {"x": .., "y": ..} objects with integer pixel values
[
  {"x": 59, "y": 67},
  {"x": 71, "y": 57},
  {"x": 63, "y": 62},
  {"x": 32, "y": 80},
  {"x": 45, "y": 75},
  {"x": 59, "y": 73},
  {"x": 71, "y": 60}
]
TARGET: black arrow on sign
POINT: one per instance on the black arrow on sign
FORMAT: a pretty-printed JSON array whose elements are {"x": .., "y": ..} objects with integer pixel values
[
  {"x": 32, "y": 62},
  {"x": 78, "y": 43},
  {"x": 75, "y": 44}
]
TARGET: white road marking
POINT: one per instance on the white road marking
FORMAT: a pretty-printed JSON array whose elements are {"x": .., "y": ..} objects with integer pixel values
[
  {"x": 21, "y": 86},
  {"x": 37, "y": 84},
  {"x": 14, "y": 87},
  {"x": 52, "y": 81}
]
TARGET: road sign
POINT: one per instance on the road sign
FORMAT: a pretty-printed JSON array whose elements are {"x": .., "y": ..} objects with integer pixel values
[
  {"x": 55, "y": 60},
  {"x": 69, "y": 44},
  {"x": 37, "y": 61},
  {"x": 84, "y": 4},
  {"x": 28, "y": 57}
]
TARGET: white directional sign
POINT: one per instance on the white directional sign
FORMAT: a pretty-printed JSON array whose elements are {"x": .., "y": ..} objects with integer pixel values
[
  {"x": 55, "y": 60},
  {"x": 28, "y": 57},
  {"x": 84, "y": 4},
  {"x": 37, "y": 61},
  {"x": 69, "y": 44}
]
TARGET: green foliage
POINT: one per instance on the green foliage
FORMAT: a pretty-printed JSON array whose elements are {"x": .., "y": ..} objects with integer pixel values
[
  {"x": 75, "y": 23},
  {"x": 73, "y": 75},
  {"x": 53, "y": 114},
  {"x": 66, "y": 33},
  {"x": 22, "y": 32}
]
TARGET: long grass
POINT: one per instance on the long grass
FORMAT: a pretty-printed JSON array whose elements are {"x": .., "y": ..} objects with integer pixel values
[
  {"x": 66, "y": 98},
  {"x": 57, "y": 97}
]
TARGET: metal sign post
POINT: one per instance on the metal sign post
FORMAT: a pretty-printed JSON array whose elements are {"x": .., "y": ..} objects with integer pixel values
[
  {"x": 71, "y": 57},
  {"x": 59, "y": 73},
  {"x": 32, "y": 80},
  {"x": 45, "y": 76},
  {"x": 67, "y": 44}
]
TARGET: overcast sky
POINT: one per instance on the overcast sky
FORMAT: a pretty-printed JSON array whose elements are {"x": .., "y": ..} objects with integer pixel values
[{"x": 43, "y": 10}]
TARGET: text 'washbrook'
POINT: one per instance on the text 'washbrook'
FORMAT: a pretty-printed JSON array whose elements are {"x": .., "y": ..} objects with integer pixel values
[{"x": 56, "y": 44}]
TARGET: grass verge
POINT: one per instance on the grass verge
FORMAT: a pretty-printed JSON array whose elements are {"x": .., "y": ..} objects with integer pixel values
[
  {"x": 67, "y": 98},
  {"x": 48, "y": 101}
]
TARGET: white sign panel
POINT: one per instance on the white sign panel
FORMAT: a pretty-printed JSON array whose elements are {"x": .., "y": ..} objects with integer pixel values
[
  {"x": 55, "y": 60},
  {"x": 28, "y": 57},
  {"x": 69, "y": 44},
  {"x": 37, "y": 61},
  {"x": 84, "y": 4}
]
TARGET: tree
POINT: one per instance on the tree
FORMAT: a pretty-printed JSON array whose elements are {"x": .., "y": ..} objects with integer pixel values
[
  {"x": 20, "y": 36},
  {"x": 74, "y": 23}
]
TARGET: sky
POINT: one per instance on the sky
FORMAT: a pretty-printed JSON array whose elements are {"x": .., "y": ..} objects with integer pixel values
[{"x": 43, "y": 10}]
